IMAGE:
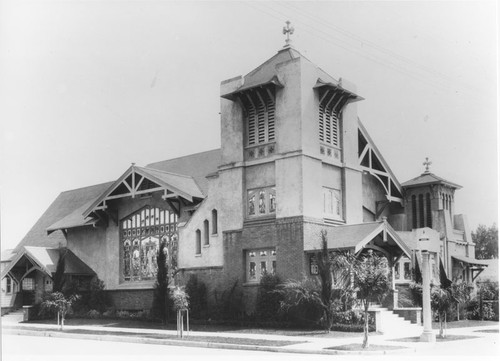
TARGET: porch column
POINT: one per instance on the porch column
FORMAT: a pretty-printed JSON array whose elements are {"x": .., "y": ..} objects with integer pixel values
[{"x": 427, "y": 335}]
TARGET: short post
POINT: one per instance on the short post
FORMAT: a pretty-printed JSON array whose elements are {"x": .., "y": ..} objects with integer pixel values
[
  {"x": 427, "y": 335},
  {"x": 180, "y": 322}
]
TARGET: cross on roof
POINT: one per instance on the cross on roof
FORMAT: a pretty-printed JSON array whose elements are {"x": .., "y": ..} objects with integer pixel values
[
  {"x": 288, "y": 30},
  {"x": 427, "y": 164}
]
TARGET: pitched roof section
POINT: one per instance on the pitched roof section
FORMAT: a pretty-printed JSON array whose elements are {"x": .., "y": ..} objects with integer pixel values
[
  {"x": 47, "y": 258},
  {"x": 65, "y": 204},
  {"x": 429, "y": 178},
  {"x": 198, "y": 166},
  {"x": 74, "y": 219},
  {"x": 357, "y": 236},
  {"x": 266, "y": 73}
]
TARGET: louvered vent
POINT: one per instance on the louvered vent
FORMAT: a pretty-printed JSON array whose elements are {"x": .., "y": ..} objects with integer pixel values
[{"x": 260, "y": 116}]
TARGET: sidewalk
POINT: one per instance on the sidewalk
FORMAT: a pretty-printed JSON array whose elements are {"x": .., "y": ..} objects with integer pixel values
[{"x": 485, "y": 341}]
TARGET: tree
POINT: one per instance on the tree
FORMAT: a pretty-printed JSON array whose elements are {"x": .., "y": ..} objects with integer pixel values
[
  {"x": 59, "y": 303},
  {"x": 371, "y": 281},
  {"x": 59, "y": 280},
  {"x": 441, "y": 302},
  {"x": 161, "y": 302},
  {"x": 486, "y": 240}
]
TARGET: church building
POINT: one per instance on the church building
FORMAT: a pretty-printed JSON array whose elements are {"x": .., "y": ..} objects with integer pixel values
[{"x": 295, "y": 160}]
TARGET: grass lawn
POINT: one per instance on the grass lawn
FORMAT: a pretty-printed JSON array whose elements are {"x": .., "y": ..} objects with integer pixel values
[
  {"x": 357, "y": 347},
  {"x": 121, "y": 323},
  {"x": 465, "y": 323}
]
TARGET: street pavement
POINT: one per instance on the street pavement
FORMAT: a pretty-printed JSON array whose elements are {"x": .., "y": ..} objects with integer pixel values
[{"x": 484, "y": 344}]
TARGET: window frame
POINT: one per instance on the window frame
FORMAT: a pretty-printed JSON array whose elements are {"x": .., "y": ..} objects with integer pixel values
[
  {"x": 198, "y": 243},
  {"x": 337, "y": 203}
]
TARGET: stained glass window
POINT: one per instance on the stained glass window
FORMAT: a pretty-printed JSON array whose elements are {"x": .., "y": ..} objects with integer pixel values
[
  {"x": 251, "y": 205},
  {"x": 263, "y": 259},
  {"x": 142, "y": 233},
  {"x": 263, "y": 199}
]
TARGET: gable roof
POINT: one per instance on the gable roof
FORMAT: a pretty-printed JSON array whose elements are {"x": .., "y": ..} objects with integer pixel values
[
  {"x": 356, "y": 236},
  {"x": 65, "y": 204},
  {"x": 197, "y": 166},
  {"x": 429, "y": 178},
  {"x": 47, "y": 258}
]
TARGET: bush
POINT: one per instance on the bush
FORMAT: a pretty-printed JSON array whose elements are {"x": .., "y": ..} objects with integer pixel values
[
  {"x": 268, "y": 298},
  {"x": 228, "y": 303},
  {"x": 123, "y": 314},
  {"x": 93, "y": 314},
  {"x": 474, "y": 311},
  {"x": 197, "y": 292}
]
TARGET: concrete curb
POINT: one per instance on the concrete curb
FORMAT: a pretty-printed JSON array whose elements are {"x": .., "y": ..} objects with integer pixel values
[{"x": 201, "y": 344}]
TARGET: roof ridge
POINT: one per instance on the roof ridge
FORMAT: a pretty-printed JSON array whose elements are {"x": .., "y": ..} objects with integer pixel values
[
  {"x": 80, "y": 188},
  {"x": 184, "y": 156},
  {"x": 166, "y": 172}
]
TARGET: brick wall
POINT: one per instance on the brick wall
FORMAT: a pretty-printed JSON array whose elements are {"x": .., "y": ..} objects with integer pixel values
[{"x": 131, "y": 299}]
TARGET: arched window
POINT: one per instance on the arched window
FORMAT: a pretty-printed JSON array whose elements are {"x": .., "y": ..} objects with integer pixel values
[
  {"x": 214, "y": 221},
  {"x": 206, "y": 236},
  {"x": 198, "y": 241}
]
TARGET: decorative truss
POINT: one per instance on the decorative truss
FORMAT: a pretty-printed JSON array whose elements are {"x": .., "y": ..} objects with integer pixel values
[
  {"x": 137, "y": 181},
  {"x": 371, "y": 161}
]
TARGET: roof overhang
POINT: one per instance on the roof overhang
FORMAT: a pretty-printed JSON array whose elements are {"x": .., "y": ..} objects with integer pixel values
[
  {"x": 471, "y": 261},
  {"x": 273, "y": 82},
  {"x": 337, "y": 87},
  {"x": 372, "y": 162}
]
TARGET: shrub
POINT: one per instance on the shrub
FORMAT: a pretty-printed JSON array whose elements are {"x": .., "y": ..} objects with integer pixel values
[
  {"x": 197, "y": 292},
  {"x": 109, "y": 313},
  {"x": 93, "y": 314},
  {"x": 228, "y": 303},
  {"x": 180, "y": 299},
  {"x": 268, "y": 299},
  {"x": 123, "y": 314},
  {"x": 474, "y": 311}
]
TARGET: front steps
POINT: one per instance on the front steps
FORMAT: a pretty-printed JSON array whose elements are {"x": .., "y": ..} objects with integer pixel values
[{"x": 389, "y": 323}]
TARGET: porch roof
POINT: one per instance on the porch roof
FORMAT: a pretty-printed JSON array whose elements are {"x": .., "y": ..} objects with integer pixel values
[
  {"x": 471, "y": 261},
  {"x": 45, "y": 259},
  {"x": 359, "y": 236}
]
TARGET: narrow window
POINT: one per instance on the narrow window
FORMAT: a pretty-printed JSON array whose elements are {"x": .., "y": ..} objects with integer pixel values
[
  {"x": 414, "y": 211},
  {"x": 407, "y": 271},
  {"x": 396, "y": 271},
  {"x": 214, "y": 221},
  {"x": 421, "y": 210},
  {"x": 9, "y": 285},
  {"x": 198, "y": 241},
  {"x": 428, "y": 209},
  {"x": 206, "y": 239}
]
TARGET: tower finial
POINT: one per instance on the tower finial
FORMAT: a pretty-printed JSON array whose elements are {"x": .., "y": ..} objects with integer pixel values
[
  {"x": 427, "y": 164},
  {"x": 288, "y": 30}
]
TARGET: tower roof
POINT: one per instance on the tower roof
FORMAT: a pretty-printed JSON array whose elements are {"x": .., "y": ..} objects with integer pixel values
[{"x": 428, "y": 178}]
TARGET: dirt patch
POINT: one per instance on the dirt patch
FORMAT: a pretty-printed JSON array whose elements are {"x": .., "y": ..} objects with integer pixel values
[
  {"x": 487, "y": 331},
  {"x": 358, "y": 347},
  {"x": 438, "y": 339}
]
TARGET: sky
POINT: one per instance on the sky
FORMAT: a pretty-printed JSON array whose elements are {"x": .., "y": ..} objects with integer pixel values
[{"x": 88, "y": 87}]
